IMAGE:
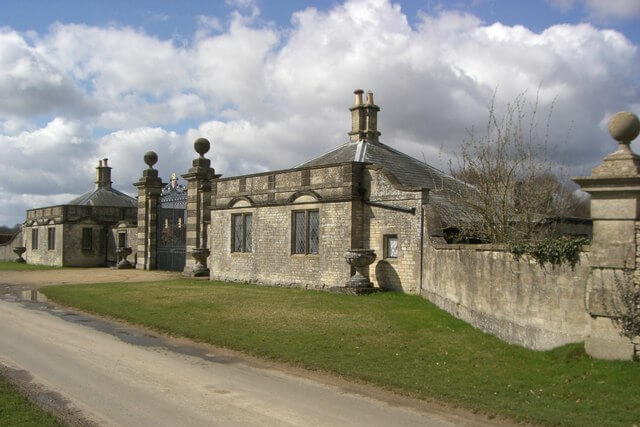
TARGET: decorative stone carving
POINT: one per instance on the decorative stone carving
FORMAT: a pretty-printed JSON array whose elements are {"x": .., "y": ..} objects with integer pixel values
[
  {"x": 123, "y": 253},
  {"x": 200, "y": 255},
  {"x": 359, "y": 283},
  {"x": 19, "y": 250}
]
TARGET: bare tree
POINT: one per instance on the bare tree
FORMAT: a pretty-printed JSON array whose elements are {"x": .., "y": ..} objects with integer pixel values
[{"x": 513, "y": 190}]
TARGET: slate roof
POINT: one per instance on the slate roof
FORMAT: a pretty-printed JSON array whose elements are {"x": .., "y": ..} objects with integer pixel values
[
  {"x": 410, "y": 172},
  {"x": 104, "y": 197}
]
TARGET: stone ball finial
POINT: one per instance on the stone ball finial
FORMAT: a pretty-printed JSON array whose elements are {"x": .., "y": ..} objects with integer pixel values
[
  {"x": 201, "y": 145},
  {"x": 624, "y": 127},
  {"x": 150, "y": 158}
]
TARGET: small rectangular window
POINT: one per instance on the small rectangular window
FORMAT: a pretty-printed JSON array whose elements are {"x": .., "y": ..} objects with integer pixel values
[
  {"x": 34, "y": 239},
  {"x": 241, "y": 233},
  {"x": 87, "y": 239},
  {"x": 391, "y": 246},
  {"x": 51, "y": 238},
  {"x": 122, "y": 239},
  {"x": 305, "y": 229}
]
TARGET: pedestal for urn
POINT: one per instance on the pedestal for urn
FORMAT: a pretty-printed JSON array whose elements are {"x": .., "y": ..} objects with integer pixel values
[
  {"x": 19, "y": 250},
  {"x": 123, "y": 253},
  {"x": 200, "y": 255}
]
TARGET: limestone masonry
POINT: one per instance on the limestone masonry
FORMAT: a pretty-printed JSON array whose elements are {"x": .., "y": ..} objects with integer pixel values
[{"x": 293, "y": 227}]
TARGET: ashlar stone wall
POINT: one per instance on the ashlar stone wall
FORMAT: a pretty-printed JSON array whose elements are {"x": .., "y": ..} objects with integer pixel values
[
  {"x": 519, "y": 301},
  {"x": 272, "y": 198},
  {"x": 391, "y": 211}
]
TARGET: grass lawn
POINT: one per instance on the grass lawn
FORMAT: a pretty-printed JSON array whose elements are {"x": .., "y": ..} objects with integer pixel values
[
  {"x": 398, "y": 341},
  {"x": 10, "y": 265},
  {"x": 15, "y": 410}
]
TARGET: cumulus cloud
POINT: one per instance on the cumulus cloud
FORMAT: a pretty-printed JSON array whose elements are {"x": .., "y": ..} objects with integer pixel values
[
  {"x": 30, "y": 85},
  {"x": 272, "y": 98}
]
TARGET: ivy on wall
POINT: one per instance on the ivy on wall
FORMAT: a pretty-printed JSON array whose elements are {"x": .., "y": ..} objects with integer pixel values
[
  {"x": 627, "y": 318},
  {"x": 556, "y": 251}
]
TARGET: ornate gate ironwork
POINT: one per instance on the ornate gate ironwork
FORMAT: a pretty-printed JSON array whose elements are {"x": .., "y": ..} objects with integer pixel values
[{"x": 172, "y": 226}]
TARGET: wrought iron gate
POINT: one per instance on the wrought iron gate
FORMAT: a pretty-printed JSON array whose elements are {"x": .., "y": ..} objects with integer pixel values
[{"x": 172, "y": 226}]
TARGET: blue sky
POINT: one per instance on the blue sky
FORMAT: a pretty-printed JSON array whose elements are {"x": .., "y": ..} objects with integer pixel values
[
  {"x": 170, "y": 18},
  {"x": 270, "y": 82}
]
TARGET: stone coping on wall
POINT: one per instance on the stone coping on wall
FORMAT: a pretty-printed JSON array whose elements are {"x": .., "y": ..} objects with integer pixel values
[
  {"x": 283, "y": 171},
  {"x": 499, "y": 247}
]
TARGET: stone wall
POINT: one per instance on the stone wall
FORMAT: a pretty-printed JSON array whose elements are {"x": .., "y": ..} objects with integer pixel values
[
  {"x": 271, "y": 260},
  {"x": 392, "y": 212},
  {"x": 42, "y": 255},
  {"x": 518, "y": 301},
  {"x": 68, "y": 222},
  {"x": 130, "y": 232},
  {"x": 272, "y": 198},
  {"x": 75, "y": 255},
  {"x": 6, "y": 249}
]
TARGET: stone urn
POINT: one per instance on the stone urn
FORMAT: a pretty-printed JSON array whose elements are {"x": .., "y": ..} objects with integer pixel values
[
  {"x": 360, "y": 259},
  {"x": 19, "y": 250},
  {"x": 123, "y": 253},
  {"x": 200, "y": 255}
]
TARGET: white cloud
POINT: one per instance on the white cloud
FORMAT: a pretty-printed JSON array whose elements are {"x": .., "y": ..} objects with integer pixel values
[
  {"x": 29, "y": 84},
  {"x": 271, "y": 98}
]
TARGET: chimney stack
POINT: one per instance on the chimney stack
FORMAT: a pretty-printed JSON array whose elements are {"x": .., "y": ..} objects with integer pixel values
[
  {"x": 103, "y": 174},
  {"x": 364, "y": 119}
]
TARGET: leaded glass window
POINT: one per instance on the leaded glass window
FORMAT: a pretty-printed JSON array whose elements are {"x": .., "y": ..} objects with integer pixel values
[
  {"x": 247, "y": 233},
  {"x": 305, "y": 232},
  {"x": 391, "y": 246},
  {"x": 314, "y": 232},
  {"x": 241, "y": 240},
  {"x": 51, "y": 238},
  {"x": 34, "y": 238},
  {"x": 299, "y": 232}
]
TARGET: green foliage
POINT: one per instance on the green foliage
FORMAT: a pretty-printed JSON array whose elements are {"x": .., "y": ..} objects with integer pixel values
[
  {"x": 16, "y": 410},
  {"x": 628, "y": 317},
  {"x": 401, "y": 342},
  {"x": 556, "y": 250}
]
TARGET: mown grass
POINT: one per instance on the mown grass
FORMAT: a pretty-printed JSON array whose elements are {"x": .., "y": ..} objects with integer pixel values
[
  {"x": 16, "y": 410},
  {"x": 398, "y": 341},
  {"x": 14, "y": 266}
]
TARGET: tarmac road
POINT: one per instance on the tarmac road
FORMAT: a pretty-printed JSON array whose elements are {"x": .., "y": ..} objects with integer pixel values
[{"x": 116, "y": 376}]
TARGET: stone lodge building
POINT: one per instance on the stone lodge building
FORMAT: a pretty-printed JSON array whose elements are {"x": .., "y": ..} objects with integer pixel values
[{"x": 84, "y": 232}]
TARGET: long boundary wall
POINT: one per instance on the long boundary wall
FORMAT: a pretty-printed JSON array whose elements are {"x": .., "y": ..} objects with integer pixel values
[{"x": 535, "y": 306}]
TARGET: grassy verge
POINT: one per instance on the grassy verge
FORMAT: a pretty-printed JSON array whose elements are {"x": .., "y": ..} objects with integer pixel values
[
  {"x": 14, "y": 266},
  {"x": 16, "y": 410},
  {"x": 394, "y": 340}
]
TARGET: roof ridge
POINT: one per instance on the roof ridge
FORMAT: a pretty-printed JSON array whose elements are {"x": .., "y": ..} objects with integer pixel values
[{"x": 324, "y": 154}]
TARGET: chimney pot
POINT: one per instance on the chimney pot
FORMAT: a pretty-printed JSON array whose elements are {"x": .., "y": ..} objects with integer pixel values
[
  {"x": 370, "y": 98},
  {"x": 358, "y": 93},
  {"x": 99, "y": 163},
  {"x": 105, "y": 162}
]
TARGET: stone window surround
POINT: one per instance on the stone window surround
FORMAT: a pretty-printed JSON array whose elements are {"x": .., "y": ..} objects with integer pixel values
[
  {"x": 51, "y": 238},
  {"x": 307, "y": 233},
  {"x": 386, "y": 247},
  {"x": 122, "y": 239},
  {"x": 34, "y": 239},
  {"x": 243, "y": 249},
  {"x": 87, "y": 239}
]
